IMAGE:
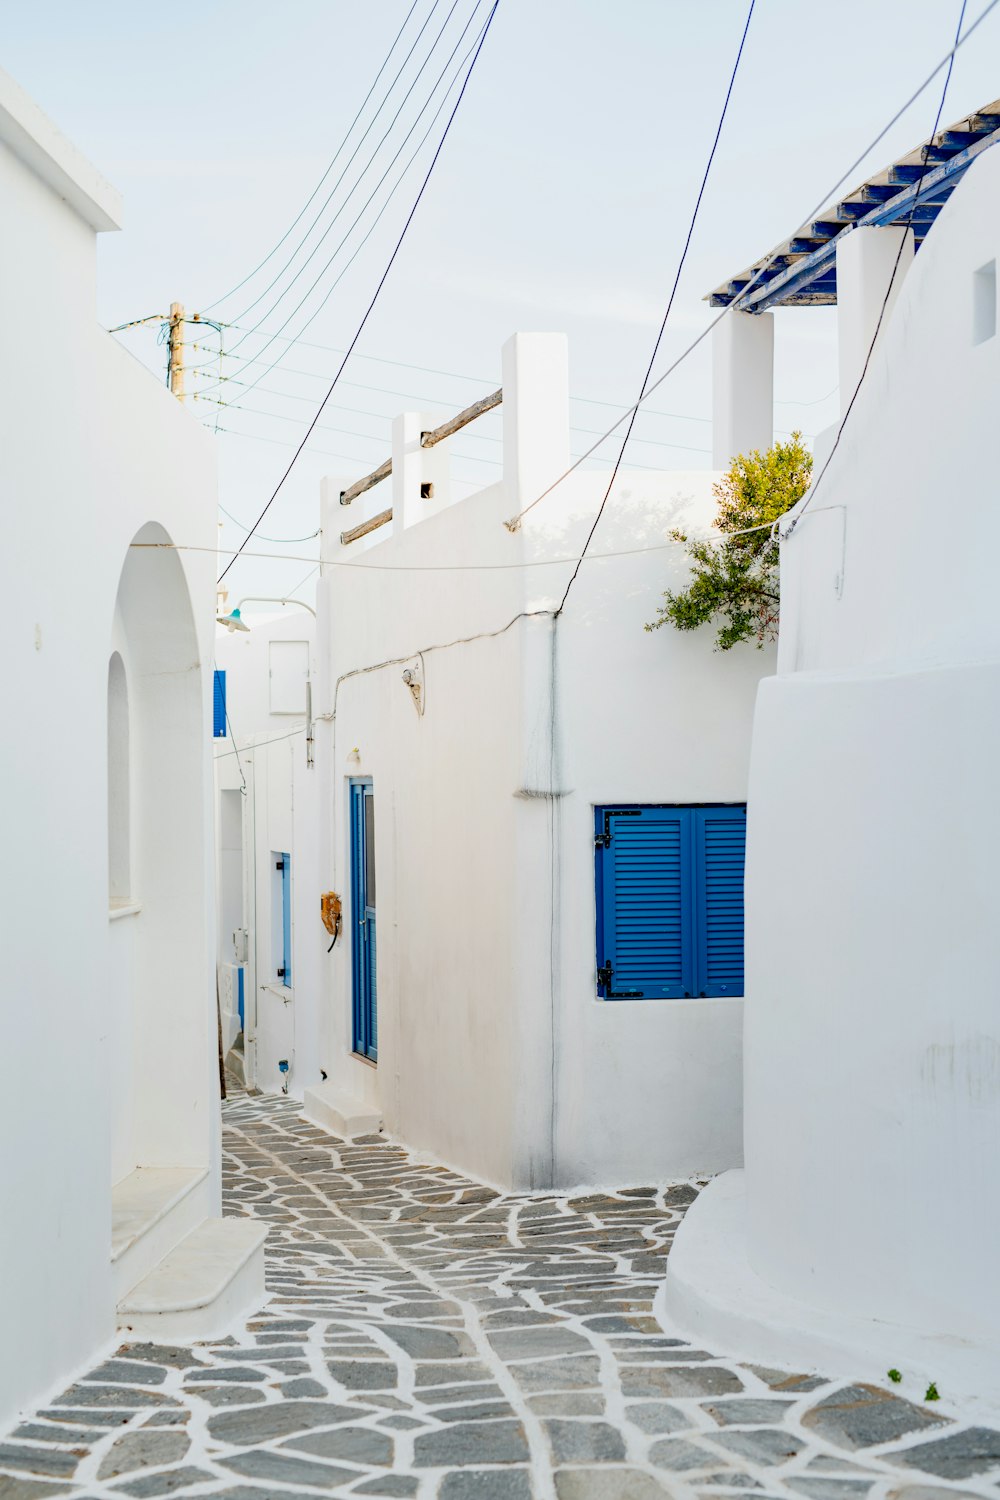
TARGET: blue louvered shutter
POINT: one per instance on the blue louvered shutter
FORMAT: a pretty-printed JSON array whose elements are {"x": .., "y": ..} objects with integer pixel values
[
  {"x": 720, "y": 846},
  {"x": 219, "y": 705},
  {"x": 645, "y": 902}
]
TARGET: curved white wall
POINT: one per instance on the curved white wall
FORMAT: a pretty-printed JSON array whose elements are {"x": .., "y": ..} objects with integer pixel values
[
  {"x": 82, "y": 473},
  {"x": 873, "y": 1011}
]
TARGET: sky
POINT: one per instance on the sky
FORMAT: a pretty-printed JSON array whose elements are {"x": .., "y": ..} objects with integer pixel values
[{"x": 560, "y": 201}]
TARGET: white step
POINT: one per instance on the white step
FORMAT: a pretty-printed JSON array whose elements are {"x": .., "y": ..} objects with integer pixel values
[
  {"x": 339, "y": 1113},
  {"x": 152, "y": 1209},
  {"x": 203, "y": 1288}
]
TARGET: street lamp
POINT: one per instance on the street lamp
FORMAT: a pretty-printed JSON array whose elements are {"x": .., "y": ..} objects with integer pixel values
[{"x": 234, "y": 620}]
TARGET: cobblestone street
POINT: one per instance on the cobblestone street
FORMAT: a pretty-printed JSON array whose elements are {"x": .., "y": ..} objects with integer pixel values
[{"x": 427, "y": 1336}]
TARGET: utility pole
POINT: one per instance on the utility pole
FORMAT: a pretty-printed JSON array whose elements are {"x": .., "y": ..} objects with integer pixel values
[{"x": 175, "y": 350}]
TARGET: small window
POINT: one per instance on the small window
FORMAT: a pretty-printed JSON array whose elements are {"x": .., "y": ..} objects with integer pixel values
[
  {"x": 288, "y": 673},
  {"x": 219, "y": 705},
  {"x": 984, "y": 303},
  {"x": 281, "y": 918},
  {"x": 669, "y": 901}
]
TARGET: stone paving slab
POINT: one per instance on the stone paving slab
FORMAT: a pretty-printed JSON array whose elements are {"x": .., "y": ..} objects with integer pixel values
[{"x": 428, "y": 1338}]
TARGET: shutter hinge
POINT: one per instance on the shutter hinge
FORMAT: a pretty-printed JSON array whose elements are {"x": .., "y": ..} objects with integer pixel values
[
  {"x": 279, "y": 864},
  {"x": 604, "y": 976},
  {"x": 281, "y": 973},
  {"x": 602, "y": 841}
]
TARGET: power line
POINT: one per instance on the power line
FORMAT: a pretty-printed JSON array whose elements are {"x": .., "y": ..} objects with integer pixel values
[
  {"x": 378, "y": 217},
  {"x": 469, "y": 458},
  {"x": 811, "y": 493},
  {"x": 382, "y": 280},
  {"x": 425, "y": 401},
  {"x": 360, "y": 178},
  {"x": 374, "y": 437},
  {"x": 497, "y": 567},
  {"x": 271, "y": 253},
  {"x": 357, "y": 218},
  {"x": 515, "y": 521},
  {"x": 670, "y": 302},
  {"x": 280, "y": 540},
  {"x": 401, "y": 364}
]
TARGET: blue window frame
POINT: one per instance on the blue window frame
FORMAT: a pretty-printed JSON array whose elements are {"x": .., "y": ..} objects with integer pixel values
[
  {"x": 218, "y": 705},
  {"x": 283, "y": 869},
  {"x": 669, "y": 901},
  {"x": 364, "y": 988}
]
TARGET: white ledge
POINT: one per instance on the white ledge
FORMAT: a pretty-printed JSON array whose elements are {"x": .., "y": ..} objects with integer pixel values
[
  {"x": 126, "y": 909},
  {"x": 31, "y": 135}
]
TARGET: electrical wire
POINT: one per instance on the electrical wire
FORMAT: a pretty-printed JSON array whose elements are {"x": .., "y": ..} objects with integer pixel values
[
  {"x": 381, "y": 283},
  {"x": 373, "y": 437},
  {"x": 467, "y": 458},
  {"x": 401, "y": 364},
  {"x": 257, "y": 745},
  {"x": 426, "y": 401},
  {"x": 811, "y": 492},
  {"x": 377, "y": 219},
  {"x": 271, "y": 253},
  {"x": 280, "y": 540},
  {"x": 539, "y": 562},
  {"x": 669, "y": 308},
  {"x": 514, "y": 522},
  {"x": 360, "y": 178},
  {"x": 235, "y": 750}
]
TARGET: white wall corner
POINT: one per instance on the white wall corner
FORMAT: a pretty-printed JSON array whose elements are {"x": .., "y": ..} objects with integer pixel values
[
  {"x": 31, "y": 135},
  {"x": 419, "y": 475},
  {"x": 742, "y": 385},
  {"x": 871, "y": 266},
  {"x": 535, "y": 414}
]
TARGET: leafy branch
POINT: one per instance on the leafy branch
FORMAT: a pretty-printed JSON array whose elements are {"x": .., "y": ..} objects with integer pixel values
[{"x": 734, "y": 583}]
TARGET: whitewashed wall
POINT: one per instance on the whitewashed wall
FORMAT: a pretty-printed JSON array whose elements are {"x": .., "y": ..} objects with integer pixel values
[
  {"x": 494, "y": 1051},
  {"x": 873, "y": 1033},
  {"x": 107, "y": 1029},
  {"x": 278, "y": 816}
]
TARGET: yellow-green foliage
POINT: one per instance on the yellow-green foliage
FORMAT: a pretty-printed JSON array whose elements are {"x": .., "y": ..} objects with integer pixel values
[{"x": 734, "y": 583}]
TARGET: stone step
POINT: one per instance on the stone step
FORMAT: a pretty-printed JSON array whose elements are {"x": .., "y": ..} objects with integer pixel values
[
  {"x": 339, "y": 1113},
  {"x": 203, "y": 1288},
  {"x": 152, "y": 1209},
  {"x": 236, "y": 1063}
]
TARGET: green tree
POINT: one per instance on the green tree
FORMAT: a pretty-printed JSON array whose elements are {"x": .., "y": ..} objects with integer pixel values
[{"x": 734, "y": 583}]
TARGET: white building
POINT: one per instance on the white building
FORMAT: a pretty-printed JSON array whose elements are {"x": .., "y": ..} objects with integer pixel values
[
  {"x": 864, "y": 1231},
  {"x": 266, "y": 831},
  {"x": 469, "y": 750},
  {"x": 109, "y": 1110}
]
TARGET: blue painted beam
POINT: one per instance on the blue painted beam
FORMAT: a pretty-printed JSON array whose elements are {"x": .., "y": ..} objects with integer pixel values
[{"x": 793, "y": 282}]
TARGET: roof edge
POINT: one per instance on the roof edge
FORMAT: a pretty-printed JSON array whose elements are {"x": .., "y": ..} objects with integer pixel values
[{"x": 31, "y": 135}]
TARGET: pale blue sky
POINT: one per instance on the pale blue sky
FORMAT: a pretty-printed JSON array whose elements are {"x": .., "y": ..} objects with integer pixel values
[{"x": 560, "y": 201}]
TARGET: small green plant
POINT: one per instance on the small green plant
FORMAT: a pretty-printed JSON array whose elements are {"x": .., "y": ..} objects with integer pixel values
[
  {"x": 895, "y": 1376},
  {"x": 734, "y": 583},
  {"x": 932, "y": 1393}
]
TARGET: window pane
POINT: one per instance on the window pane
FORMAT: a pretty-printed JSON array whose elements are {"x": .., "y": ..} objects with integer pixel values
[{"x": 369, "y": 850}]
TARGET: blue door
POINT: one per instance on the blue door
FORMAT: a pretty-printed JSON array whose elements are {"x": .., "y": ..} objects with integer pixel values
[{"x": 364, "y": 1008}]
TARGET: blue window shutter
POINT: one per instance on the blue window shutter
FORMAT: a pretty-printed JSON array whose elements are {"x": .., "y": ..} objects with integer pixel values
[
  {"x": 720, "y": 850},
  {"x": 219, "y": 705},
  {"x": 646, "y": 906}
]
